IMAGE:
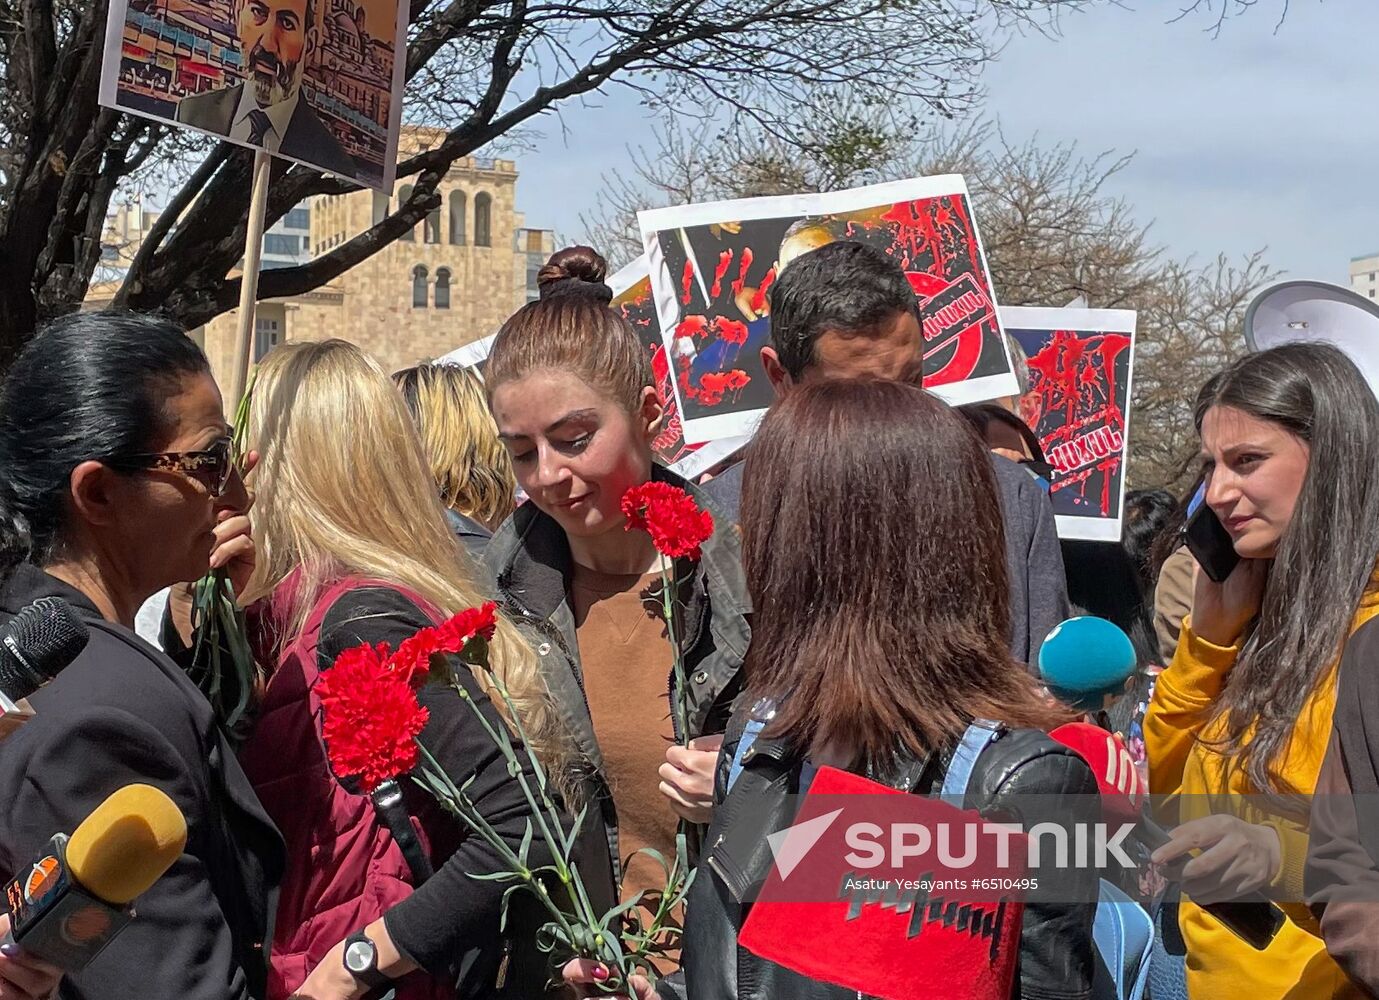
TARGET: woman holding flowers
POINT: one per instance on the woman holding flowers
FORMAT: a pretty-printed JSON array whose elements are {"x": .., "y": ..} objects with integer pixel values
[
  {"x": 354, "y": 551},
  {"x": 572, "y": 391}
]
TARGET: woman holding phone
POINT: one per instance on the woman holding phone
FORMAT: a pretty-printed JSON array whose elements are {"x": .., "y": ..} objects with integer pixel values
[{"x": 1290, "y": 447}]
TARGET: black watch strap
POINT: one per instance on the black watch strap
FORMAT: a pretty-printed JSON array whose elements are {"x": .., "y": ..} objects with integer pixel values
[{"x": 361, "y": 961}]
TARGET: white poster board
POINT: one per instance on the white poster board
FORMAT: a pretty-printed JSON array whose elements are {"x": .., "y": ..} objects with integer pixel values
[
  {"x": 1081, "y": 370},
  {"x": 711, "y": 266}
]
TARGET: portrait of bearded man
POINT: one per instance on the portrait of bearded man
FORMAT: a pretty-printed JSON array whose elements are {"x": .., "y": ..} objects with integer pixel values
[{"x": 268, "y": 109}]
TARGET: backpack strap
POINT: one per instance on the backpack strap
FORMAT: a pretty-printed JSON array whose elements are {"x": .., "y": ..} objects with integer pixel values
[
  {"x": 387, "y": 803},
  {"x": 387, "y": 797},
  {"x": 749, "y": 736},
  {"x": 979, "y": 735}
]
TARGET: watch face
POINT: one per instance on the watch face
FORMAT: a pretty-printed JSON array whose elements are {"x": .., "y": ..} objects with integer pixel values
[{"x": 359, "y": 956}]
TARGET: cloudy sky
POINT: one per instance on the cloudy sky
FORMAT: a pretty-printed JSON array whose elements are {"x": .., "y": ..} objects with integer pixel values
[{"x": 1251, "y": 139}]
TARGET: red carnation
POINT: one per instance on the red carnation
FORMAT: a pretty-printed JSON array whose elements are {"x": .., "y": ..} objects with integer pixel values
[
  {"x": 370, "y": 717},
  {"x": 670, "y": 516},
  {"x": 481, "y": 621},
  {"x": 412, "y": 661}
]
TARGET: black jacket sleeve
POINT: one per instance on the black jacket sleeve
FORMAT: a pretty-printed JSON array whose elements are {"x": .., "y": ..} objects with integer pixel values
[
  {"x": 70, "y": 764},
  {"x": 449, "y": 926},
  {"x": 1049, "y": 784}
]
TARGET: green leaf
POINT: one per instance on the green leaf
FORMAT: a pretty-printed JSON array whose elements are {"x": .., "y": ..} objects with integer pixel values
[
  {"x": 504, "y": 906},
  {"x": 526, "y": 842},
  {"x": 573, "y": 834},
  {"x": 493, "y": 876},
  {"x": 617, "y": 911}
]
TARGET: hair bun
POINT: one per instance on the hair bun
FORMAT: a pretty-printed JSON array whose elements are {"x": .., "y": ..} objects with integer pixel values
[{"x": 576, "y": 270}]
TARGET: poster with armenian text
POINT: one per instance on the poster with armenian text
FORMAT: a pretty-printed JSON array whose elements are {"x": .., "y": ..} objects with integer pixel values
[
  {"x": 318, "y": 82},
  {"x": 712, "y": 265},
  {"x": 1081, "y": 363},
  {"x": 632, "y": 297}
]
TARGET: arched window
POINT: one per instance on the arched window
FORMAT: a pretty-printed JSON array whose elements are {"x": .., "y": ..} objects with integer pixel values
[
  {"x": 418, "y": 287},
  {"x": 431, "y": 228},
  {"x": 457, "y": 212},
  {"x": 483, "y": 221},
  {"x": 443, "y": 288},
  {"x": 380, "y": 207},
  {"x": 402, "y": 198}
]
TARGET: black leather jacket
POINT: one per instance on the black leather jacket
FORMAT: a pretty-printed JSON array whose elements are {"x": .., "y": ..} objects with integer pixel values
[{"x": 1024, "y": 773}]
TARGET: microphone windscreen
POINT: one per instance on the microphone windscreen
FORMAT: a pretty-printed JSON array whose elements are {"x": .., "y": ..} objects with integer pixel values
[
  {"x": 1123, "y": 790},
  {"x": 1083, "y": 659},
  {"x": 38, "y": 642},
  {"x": 126, "y": 845}
]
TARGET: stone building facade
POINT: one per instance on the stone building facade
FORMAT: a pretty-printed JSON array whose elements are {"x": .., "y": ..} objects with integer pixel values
[{"x": 463, "y": 271}]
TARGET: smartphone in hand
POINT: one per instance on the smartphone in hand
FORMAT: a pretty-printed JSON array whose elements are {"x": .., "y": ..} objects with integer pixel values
[{"x": 1208, "y": 540}]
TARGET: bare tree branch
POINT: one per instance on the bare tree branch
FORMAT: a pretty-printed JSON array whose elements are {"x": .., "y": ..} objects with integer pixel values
[{"x": 1050, "y": 230}]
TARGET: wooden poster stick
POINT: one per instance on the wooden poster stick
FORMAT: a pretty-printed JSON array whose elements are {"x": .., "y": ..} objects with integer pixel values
[{"x": 249, "y": 283}]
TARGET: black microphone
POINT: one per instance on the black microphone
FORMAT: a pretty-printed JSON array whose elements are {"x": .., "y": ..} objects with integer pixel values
[{"x": 35, "y": 645}]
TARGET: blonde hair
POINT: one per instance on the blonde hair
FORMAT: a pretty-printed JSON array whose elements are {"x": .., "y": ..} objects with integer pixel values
[
  {"x": 342, "y": 488},
  {"x": 460, "y": 441}
]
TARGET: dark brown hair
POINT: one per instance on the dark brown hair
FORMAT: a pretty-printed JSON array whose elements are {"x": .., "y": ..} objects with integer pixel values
[
  {"x": 983, "y": 415},
  {"x": 576, "y": 334},
  {"x": 875, "y": 559},
  {"x": 577, "y": 270},
  {"x": 1326, "y": 556}
]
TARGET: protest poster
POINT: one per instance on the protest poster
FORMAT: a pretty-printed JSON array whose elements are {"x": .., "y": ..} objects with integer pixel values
[
  {"x": 1081, "y": 363},
  {"x": 318, "y": 82},
  {"x": 632, "y": 298},
  {"x": 711, "y": 266}
]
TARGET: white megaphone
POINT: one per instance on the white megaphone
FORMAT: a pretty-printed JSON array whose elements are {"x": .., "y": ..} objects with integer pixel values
[{"x": 1292, "y": 311}]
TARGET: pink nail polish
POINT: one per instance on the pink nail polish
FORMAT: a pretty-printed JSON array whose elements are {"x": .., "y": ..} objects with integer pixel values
[{"x": 600, "y": 973}]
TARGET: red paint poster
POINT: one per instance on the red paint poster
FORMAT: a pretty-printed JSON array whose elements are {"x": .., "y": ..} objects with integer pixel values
[
  {"x": 1080, "y": 364},
  {"x": 712, "y": 266},
  {"x": 632, "y": 298}
]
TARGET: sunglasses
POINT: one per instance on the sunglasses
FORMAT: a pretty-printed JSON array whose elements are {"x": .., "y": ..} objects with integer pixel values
[{"x": 211, "y": 467}]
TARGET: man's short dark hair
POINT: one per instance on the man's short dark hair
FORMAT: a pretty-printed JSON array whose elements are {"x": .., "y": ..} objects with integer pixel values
[{"x": 848, "y": 287}]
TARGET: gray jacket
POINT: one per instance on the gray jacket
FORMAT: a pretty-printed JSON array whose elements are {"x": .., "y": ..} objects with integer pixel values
[
  {"x": 1034, "y": 562},
  {"x": 529, "y": 557}
]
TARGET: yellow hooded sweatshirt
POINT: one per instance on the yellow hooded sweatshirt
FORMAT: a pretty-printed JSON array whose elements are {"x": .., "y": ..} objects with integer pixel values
[{"x": 1295, "y": 965}]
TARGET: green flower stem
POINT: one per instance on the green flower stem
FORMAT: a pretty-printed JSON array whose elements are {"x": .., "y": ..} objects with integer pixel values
[
  {"x": 546, "y": 814},
  {"x": 679, "y": 697},
  {"x": 460, "y": 804},
  {"x": 218, "y": 626},
  {"x": 504, "y": 743}
]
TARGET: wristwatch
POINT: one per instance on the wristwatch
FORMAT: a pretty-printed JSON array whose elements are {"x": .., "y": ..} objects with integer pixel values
[{"x": 361, "y": 961}]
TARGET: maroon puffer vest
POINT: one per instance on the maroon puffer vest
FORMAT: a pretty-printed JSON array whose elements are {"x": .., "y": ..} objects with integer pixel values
[{"x": 344, "y": 869}]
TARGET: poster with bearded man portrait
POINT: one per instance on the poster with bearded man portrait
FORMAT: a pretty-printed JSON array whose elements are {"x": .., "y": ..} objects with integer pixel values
[{"x": 314, "y": 81}]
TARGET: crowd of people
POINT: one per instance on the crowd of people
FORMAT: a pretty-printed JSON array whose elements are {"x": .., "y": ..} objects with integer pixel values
[{"x": 881, "y": 574}]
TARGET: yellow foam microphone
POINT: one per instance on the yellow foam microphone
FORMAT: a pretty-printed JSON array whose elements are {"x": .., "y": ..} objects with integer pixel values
[
  {"x": 68, "y": 904},
  {"x": 127, "y": 844}
]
